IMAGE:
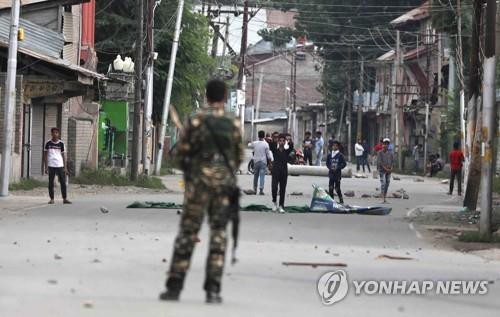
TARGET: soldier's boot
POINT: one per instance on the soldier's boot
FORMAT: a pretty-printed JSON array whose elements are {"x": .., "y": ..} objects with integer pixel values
[
  {"x": 213, "y": 298},
  {"x": 174, "y": 286},
  {"x": 341, "y": 199},
  {"x": 170, "y": 295}
]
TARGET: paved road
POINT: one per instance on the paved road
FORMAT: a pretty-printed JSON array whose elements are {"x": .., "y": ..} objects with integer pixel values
[{"x": 114, "y": 262}]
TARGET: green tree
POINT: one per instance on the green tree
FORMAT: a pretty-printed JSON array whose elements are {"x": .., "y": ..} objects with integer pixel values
[{"x": 115, "y": 30}]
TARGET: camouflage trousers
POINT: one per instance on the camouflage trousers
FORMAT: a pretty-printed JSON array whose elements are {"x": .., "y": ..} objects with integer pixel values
[{"x": 198, "y": 199}]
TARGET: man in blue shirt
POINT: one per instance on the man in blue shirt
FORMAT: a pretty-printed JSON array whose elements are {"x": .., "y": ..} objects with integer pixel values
[
  {"x": 335, "y": 163},
  {"x": 318, "y": 148}
]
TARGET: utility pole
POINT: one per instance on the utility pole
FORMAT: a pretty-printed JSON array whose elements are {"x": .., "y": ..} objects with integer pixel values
[
  {"x": 136, "y": 148},
  {"x": 241, "y": 73},
  {"x": 259, "y": 95},
  {"x": 294, "y": 97},
  {"x": 215, "y": 41},
  {"x": 10, "y": 100},
  {"x": 339, "y": 131},
  {"x": 349, "y": 107},
  {"x": 148, "y": 105},
  {"x": 361, "y": 99},
  {"x": 394, "y": 83},
  {"x": 168, "y": 88},
  {"x": 226, "y": 39},
  {"x": 490, "y": 124},
  {"x": 460, "y": 68},
  {"x": 428, "y": 43},
  {"x": 473, "y": 111}
]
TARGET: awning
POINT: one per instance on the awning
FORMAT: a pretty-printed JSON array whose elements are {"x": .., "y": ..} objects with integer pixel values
[{"x": 58, "y": 62}]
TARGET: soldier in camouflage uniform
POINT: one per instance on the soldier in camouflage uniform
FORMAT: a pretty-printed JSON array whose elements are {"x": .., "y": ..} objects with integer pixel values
[{"x": 209, "y": 181}]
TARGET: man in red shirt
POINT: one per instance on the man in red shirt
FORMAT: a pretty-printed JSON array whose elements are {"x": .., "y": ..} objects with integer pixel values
[
  {"x": 379, "y": 147},
  {"x": 456, "y": 161}
]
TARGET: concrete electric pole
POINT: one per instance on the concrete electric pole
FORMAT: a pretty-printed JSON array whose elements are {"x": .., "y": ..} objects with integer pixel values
[
  {"x": 168, "y": 89},
  {"x": 490, "y": 124},
  {"x": 10, "y": 100},
  {"x": 136, "y": 144}
]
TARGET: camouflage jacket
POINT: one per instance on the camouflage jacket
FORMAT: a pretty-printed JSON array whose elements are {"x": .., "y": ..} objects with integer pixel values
[{"x": 198, "y": 154}]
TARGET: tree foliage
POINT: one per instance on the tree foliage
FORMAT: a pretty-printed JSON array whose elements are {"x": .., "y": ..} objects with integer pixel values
[
  {"x": 279, "y": 37},
  {"x": 115, "y": 34},
  {"x": 343, "y": 28}
]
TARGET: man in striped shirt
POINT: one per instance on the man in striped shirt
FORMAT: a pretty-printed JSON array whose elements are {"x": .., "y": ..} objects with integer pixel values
[{"x": 54, "y": 162}]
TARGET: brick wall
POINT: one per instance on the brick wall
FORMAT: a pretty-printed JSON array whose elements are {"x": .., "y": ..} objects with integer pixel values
[{"x": 276, "y": 77}]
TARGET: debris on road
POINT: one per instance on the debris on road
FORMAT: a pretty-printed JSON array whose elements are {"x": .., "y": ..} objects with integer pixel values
[
  {"x": 314, "y": 264},
  {"x": 96, "y": 261},
  {"x": 396, "y": 178},
  {"x": 297, "y": 194},
  {"x": 104, "y": 210},
  {"x": 397, "y": 195},
  {"x": 419, "y": 180},
  {"x": 392, "y": 257},
  {"x": 349, "y": 193},
  {"x": 366, "y": 196},
  {"x": 445, "y": 181},
  {"x": 360, "y": 176},
  {"x": 57, "y": 257},
  {"x": 164, "y": 260},
  {"x": 249, "y": 192},
  {"x": 88, "y": 304},
  {"x": 52, "y": 281}
]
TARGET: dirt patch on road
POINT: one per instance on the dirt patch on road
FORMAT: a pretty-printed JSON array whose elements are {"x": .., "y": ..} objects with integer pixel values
[{"x": 443, "y": 230}]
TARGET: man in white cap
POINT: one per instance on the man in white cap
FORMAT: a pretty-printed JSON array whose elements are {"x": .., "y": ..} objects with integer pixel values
[{"x": 385, "y": 164}]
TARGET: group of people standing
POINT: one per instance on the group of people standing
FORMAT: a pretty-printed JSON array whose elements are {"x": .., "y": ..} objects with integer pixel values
[{"x": 275, "y": 153}]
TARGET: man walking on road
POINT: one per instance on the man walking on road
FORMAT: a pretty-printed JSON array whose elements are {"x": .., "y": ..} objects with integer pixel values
[
  {"x": 280, "y": 172},
  {"x": 209, "y": 151},
  {"x": 54, "y": 161},
  {"x": 335, "y": 163},
  {"x": 261, "y": 156},
  {"x": 318, "y": 148},
  {"x": 456, "y": 161},
  {"x": 359, "y": 150},
  {"x": 385, "y": 164}
]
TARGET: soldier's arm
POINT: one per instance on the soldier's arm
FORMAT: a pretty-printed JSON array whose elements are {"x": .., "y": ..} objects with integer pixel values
[{"x": 182, "y": 148}]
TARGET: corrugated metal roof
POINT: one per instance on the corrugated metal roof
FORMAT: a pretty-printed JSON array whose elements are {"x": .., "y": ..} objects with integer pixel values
[
  {"x": 37, "y": 38},
  {"x": 419, "y": 13},
  {"x": 8, "y": 3},
  {"x": 56, "y": 61}
]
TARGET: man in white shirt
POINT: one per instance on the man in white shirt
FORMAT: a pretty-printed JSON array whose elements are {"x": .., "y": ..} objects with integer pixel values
[
  {"x": 54, "y": 162},
  {"x": 358, "y": 149},
  {"x": 261, "y": 156}
]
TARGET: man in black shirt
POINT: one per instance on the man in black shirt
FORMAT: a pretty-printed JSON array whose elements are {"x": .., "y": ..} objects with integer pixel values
[{"x": 280, "y": 171}]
